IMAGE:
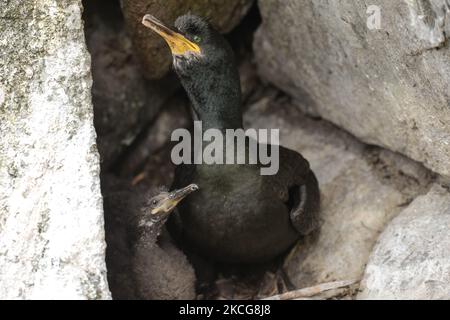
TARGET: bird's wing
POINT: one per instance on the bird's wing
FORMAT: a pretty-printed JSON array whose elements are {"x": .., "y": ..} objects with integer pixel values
[
  {"x": 298, "y": 188},
  {"x": 293, "y": 169}
]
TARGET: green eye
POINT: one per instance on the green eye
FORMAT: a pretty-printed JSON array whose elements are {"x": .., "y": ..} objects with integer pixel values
[{"x": 197, "y": 39}]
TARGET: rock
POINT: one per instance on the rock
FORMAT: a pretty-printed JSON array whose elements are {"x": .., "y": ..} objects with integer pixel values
[
  {"x": 124, "y": 102},
  {"x": 51, "y": 218},
  {"x": 389, "y": 87},
  {"x": 362, "y": 189},
  {"x": 173, "y": 115},
  {"x": 411, "y": 259},
  {"x": 152, "y": 50}
]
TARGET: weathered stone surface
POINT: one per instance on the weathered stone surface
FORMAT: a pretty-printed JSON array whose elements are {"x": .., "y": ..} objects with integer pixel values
[
  {"x": 388, "y": 87},
  {"x": 51, "y": 219},
  {"x": 152, "y": 50},
  {"x": 362, "y": 190},
  {"x": 124, "y": 102},
  {"x": 411, "y": 259}
]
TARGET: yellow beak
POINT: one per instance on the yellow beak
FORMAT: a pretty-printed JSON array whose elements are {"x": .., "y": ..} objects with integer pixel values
[
  {"x": 173, "y": 198},
  {"x": 179, "y": 44}
]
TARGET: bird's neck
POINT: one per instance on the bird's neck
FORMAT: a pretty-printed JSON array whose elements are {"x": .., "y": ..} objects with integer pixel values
[
  {"x": 149, "y": 231},
  {"x": 216, "y": 98},
  {"x": 220, "y": 115}
]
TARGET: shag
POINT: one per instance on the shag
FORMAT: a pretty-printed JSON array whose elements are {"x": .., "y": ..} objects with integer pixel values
[
  {"x": 239, "y": 216},
  {"x": 146, "y": 265},
  {"x": 135, "y": 254}
]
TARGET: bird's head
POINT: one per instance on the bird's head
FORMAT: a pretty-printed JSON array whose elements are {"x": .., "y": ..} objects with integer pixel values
[
  {"x": 194, "y": 45},
  {"x": 158, "y": 207},
  {"x": 205, "y": 64}
]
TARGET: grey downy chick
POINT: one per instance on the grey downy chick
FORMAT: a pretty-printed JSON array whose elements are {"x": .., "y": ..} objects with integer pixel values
[
  {"x": 154, "y": 268},
  {"x": 132, "y": 248}
]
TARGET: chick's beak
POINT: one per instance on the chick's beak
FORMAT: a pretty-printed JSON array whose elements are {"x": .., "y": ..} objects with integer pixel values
[
  {"x": 173, "y": 198},
  {"x": 179, "y": 44}
]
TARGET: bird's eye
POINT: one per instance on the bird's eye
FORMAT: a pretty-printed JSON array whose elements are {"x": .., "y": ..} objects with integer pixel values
[
  {"x": 154, "y": 202},
  {"x": 197, "y": 39}
]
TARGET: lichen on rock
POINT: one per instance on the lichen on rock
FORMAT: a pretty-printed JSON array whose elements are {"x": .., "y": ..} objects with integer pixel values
[{"x": 51, "y": 230}]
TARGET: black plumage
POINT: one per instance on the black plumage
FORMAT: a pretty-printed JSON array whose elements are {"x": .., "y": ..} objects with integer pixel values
[{"x": 238, "y": 215}]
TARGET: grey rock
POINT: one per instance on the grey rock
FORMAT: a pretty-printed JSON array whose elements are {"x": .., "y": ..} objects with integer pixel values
[
  {"x": 124, "y": 102},
  {"x": 411, "y": 259},
  {"x": 362, "y": 189},
  {"x": 173, "y": 115},
  {"x": 51, "y": 218},
  {"x": 152, "y": 50},
  {"x": 389, "y": 87}
]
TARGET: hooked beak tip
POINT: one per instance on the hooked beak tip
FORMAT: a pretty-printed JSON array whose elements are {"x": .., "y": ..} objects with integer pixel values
[
  {"x": 179, "y": 44},
  {"x": 149, "y": 20}
]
